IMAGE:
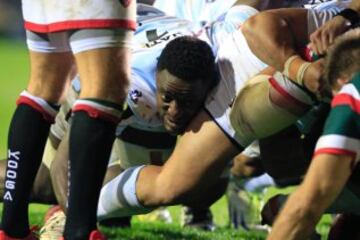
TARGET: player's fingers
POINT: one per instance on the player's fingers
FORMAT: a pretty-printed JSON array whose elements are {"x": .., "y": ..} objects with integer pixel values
[
  {"x": 331, "y": 38},
  {"x": 325, "y": 42},
  {"x": 315, "y": 40},
  {"x": 322, "y": 42}
]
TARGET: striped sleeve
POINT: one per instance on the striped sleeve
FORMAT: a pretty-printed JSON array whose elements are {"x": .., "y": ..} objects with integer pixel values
[{"x": 342, "y": 128}]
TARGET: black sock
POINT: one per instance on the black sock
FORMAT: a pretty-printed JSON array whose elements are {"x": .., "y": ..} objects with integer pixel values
[
  {"x": 27, "y": 136},
  {"x": 91, "y": 141}
]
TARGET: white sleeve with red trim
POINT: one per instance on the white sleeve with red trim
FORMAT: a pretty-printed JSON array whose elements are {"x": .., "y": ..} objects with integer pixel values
[{"x": 53, "y": 15}]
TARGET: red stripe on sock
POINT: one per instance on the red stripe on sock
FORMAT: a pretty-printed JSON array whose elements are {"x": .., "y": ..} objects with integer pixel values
[
  {"x": 28, "y": 101},
  {"x": 95, "y": 113}
]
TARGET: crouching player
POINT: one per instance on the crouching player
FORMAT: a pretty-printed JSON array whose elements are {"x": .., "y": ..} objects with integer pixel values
[
  {"x": 164, "y": 94},
  {"x": 330, "y": 183},
  {"x": 210, "y": 140}
]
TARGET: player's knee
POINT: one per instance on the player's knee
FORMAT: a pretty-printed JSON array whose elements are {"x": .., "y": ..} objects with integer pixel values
[
  {"x": 266, "y": 105},
  {"x": 112, "y": 93},
  {"x": 107, "y": 82}
]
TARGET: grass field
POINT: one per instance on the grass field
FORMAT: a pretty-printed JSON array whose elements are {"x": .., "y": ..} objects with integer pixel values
[{"x": 13, "y": 76}]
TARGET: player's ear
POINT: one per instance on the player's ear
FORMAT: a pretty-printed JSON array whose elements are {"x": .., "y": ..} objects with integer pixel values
[
  {"x": 340, "y": 82},
  {"x": 343, "y": 81}
]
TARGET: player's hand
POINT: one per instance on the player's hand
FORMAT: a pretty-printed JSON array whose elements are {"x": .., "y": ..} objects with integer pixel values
[
  {"x": 237, "y": 206},
  {"x": 323, "y": 37}
]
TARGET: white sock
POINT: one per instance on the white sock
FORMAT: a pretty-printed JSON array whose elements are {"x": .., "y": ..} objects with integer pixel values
[{"x": 118, "y": 197}]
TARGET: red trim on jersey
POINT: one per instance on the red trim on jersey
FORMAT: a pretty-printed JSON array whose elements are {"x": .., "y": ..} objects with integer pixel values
[
  {"x": 297, "y": 107},
  {"x": 337, "y": 151},
  {"x": 346, "y": 99},
  {"x": 80, "y": 24},
  {"x": 95, "y": 113},
  {"x": 28, "y": 101}
]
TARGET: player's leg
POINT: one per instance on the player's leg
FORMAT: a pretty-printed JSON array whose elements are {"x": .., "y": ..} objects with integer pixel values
[
  {"x": 59, "y": 168},
  {"x": 36, "y": 108},
  {"x": 41, "y": 192},
  {"x": 104, "y": 75},
  {"x": 59, "y": 172},
  {"x": 196, "y": 163}
]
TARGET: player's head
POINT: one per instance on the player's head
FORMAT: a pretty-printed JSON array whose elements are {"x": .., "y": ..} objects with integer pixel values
[
  {"x": 343, "y": 59},
  {"x": 186, "y": 71}
]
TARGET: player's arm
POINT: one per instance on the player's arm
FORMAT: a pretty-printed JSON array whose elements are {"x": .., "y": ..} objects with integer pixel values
[
  {"x": 355, "y": 5},
  {"x": 197, "y": 161},
  {"x": 324, "y": 180},
  {"x": 275, "y": 36}
]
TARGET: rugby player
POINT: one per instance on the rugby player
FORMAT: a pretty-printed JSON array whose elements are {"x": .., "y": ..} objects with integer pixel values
[
  {"x": 142, "y": 138},
  {"x": 210, "y": 139},
  {"x": 94, "y": 35},
  {"x": 158, "y": 110},
  {"x": 329, "y": 183}
]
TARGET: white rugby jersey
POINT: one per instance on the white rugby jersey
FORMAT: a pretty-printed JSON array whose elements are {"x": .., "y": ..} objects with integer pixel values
[{"x": 235, "y": 60}]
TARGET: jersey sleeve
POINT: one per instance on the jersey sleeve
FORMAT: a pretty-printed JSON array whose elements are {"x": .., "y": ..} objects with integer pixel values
[{"x": 341, "y": 133}]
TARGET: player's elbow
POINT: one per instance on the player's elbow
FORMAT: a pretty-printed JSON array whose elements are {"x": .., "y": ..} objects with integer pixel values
[{"x": 248, "y": 27}]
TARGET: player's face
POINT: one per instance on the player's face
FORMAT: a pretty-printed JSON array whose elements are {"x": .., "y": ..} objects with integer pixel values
[{"x": 178, "y": 101}]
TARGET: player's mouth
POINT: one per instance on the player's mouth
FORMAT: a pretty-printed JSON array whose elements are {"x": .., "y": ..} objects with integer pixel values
[{"x": 173, "y": 125}]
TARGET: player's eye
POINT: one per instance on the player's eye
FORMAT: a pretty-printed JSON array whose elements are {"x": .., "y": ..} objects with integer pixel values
[{"x": 167, "y": 97}]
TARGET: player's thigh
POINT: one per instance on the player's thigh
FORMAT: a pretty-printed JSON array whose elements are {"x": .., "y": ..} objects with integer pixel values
[{"x": 102, "y": 58}]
